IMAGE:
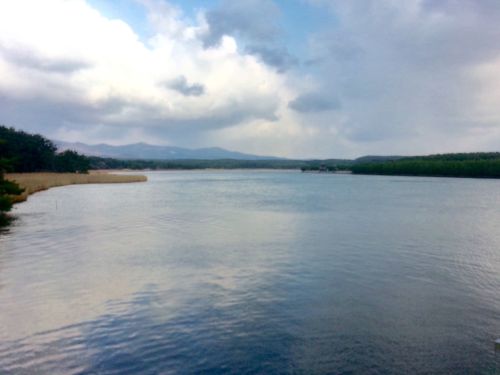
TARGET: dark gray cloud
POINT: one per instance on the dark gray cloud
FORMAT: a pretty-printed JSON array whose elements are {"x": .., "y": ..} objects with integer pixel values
[
  {"x": 181, "y": 85},
  {"x": 46, "y": 115},
  {"x": 277, "y": 57},
  {"x": 434, "y": 33},
  {"x": 186, "y": 131},
  {"x": 255, "y": 24},
  {"x": 116, "y": 116},
  {"x": 314, "y": 102},
  {"x": 250, "y": 19},
  {"x": 483, "y": 7},
  {"x": 404, "y": 71},
  {"x": 33, "y": 60}
]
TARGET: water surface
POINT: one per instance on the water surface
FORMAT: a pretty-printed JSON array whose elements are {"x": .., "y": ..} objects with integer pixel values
[{"x": 254, "y": 272}]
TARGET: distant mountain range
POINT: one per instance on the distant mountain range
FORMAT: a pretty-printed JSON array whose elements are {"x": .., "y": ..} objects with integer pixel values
[{"x": 152, "y": 152}]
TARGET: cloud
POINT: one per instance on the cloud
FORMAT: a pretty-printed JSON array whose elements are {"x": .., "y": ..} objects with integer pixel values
[
  {"x": 32, "y": 60},
  {"x": 406, "y": 71},
  {"x": 107, "y": 78},
  {"x": 380, "y": 76},
  {"x": 277, "y": 57},
  {"x": 251, "y": 19},
  {"x": 255, "y": 23},
  {"x": 180, "y": 84},
  {"x": 313, "y": 102}
]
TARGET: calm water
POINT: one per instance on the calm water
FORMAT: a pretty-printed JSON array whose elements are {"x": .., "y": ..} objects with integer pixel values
[{"x": 254, "y": 272}]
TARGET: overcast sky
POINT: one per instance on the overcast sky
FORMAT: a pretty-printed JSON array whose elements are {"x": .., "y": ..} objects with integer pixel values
[{"x": 293, "y": 78}]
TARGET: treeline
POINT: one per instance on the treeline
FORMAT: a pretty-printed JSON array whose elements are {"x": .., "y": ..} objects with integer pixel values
[
  {"x": 35, "y": 153},
  {"x": 478, "y": 165},
  {"x": 26, "y": 152},
  {"x": 7, "y": 190},
  {"x": 469, "y": 156},
  {"x": 320, "y": 166},
  {"x": 189, "y": 164}
]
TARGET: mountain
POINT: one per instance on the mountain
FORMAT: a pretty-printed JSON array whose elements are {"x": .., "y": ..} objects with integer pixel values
[{"x": 153, "y": 152}]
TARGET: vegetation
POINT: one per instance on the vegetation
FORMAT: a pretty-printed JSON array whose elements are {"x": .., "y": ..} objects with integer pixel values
[
  {"x": 108, "y": 163},
  {"x": 485, "y": 165},
  {"x": 27, "y": 152},
  {"x": 317, "y": 166},
  {"x": 71, "y": 161},
  {"x": 24, "y": 152},
  {"x": 35, "y": 153},
  {"x": 33, "y": 182},
  {"x": 8, "y": 190}
]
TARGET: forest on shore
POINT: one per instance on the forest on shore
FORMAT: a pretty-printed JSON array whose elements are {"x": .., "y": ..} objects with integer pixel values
[
  {"x": 476, "y": 165},
  {"x": 23, "y": 152}
]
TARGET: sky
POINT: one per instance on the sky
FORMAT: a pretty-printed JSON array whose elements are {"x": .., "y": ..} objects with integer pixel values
[{"x": 291, "y": 78}]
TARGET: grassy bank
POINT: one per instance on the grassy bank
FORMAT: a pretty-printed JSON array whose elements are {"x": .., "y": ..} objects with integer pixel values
[{"x": 33, "y": 182}]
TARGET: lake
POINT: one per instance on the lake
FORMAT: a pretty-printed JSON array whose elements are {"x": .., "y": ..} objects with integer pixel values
[{"x": 250, "y": 272}]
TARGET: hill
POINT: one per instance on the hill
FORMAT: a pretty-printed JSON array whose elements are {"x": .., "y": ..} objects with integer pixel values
[{"x": 144, "y": 151}]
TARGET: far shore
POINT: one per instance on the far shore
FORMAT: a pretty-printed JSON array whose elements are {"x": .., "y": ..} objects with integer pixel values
[{"x": 34, "y": 182}]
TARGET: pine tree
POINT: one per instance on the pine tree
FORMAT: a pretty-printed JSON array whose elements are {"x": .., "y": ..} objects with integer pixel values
[{"x": 7, "y": 190}]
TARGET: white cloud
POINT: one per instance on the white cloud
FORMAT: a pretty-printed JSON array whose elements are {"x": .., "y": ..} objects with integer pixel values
[{"x": 66, "y": 53}]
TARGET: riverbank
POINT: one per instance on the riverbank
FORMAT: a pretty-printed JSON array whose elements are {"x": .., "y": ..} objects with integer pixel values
[{"x": 34, "y": 182}]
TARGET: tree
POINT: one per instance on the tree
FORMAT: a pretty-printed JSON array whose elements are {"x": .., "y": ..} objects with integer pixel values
[
  {"x": 7, "y": 190},
  {"x": 35, "y": 153},
  {"x": 26, "y": 152},
  {"x": 71, "y": 161}
]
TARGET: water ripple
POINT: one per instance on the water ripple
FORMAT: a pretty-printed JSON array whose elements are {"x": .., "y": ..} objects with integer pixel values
[{"x": 253, "y": 272}]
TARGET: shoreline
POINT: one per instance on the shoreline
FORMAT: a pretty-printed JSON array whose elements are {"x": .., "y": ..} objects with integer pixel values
[
  {"x": 39, "y": 181},
  {"x": 328, "y": 172}
]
